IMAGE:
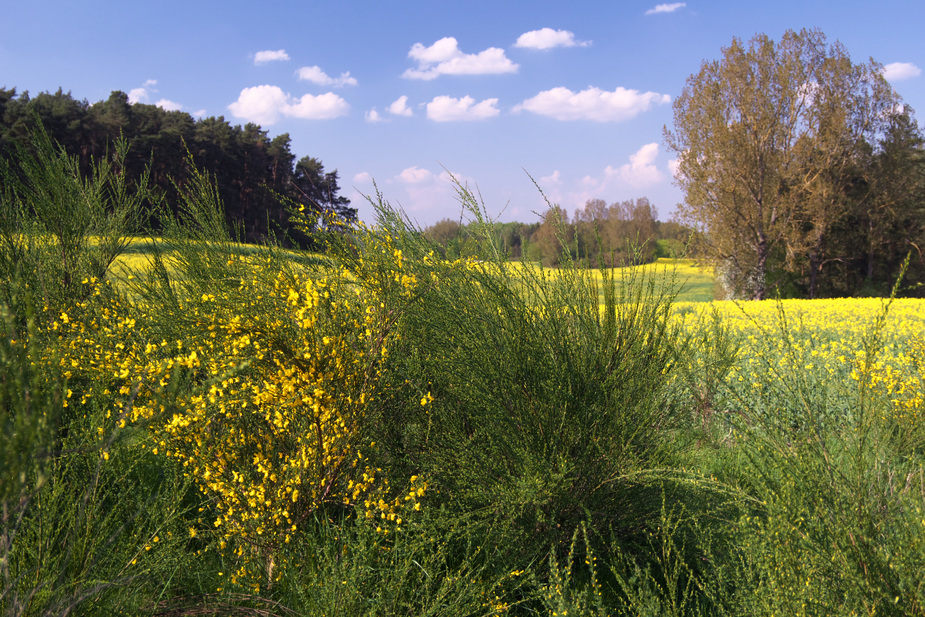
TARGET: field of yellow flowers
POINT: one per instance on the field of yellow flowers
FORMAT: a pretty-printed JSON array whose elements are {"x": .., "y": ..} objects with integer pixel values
[{"x": 832, "y": 340}]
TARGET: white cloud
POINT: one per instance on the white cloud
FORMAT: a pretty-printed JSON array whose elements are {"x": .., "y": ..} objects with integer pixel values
[
  {"x": 266, "y": 104},
  {"x": 137, "y": 95},
  {"x": 399, "y": 107},
  {"x": 414, "y": 175},
  {"x": 315, "y": 75},
  {"x": 547, "y": 38},
  {"x": 262, "y": 57},
  {"x": 554, "y": 178},
  {"x": 666, "y": 8},
  {"x": 897, "y": 71},
  {"x": 641, "y": 171},
  {"x": 362, "y": 178},
  {"x": 426, "y": 191},
  {"x": 592, "y": 104},
  {"x": 168, "y": 105},
  {"x": 445, "y": 58},
  {"x": 449, "y": 109},
  {"x": 373, "y": 116},
  {"x": 140, "y": 95}
]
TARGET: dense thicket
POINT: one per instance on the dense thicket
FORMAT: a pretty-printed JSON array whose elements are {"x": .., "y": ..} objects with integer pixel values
[{"x": 256, "y": 174}]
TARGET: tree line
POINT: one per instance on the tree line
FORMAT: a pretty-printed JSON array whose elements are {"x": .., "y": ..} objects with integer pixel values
[
  {"x": 258, "y": 178},
  {"x": 601, "y": 235},
  {"x": 804, "y": 171}
]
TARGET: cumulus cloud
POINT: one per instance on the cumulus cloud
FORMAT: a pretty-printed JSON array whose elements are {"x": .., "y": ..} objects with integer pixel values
[
  {"x": 168, "y": 105},
  {"x": 373, "y": 116},
  {"x": 641, "y": 171},
  {"x": 449, "y": 109},
  {"x": 137, "y": 95},
  {"x": 414, "y": 175},
  {"x": 362, "y": 178},
  {"x": 266, "y": 104},
  {"x": 141, "y": 94},
  {"x": 897, "y": 71},
  {"x": 315, "y": 75},
  {"x": 666, "y": 8},
  {"x": 445, "y": 58},
  {"x": 554, "y": 178},
  {"x": 592, "y": 104},
  {"x": 399, "y": 107},
  {"x": 547, "y": 38},
  {"x": 262, "y": 57}
]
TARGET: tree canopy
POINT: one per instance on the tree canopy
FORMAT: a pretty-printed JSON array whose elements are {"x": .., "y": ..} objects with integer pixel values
[
  {"x": 779, "y": 146},
  {"x": 256, "y": 174}
]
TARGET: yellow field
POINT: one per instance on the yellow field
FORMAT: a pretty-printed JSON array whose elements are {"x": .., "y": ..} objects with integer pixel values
[
  {"x": 693, "y": 280},
  {"x": 822, "y": 341}
]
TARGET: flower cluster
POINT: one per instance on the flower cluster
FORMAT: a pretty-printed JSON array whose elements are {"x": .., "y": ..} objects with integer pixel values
[{"x": 261, "y": 393}]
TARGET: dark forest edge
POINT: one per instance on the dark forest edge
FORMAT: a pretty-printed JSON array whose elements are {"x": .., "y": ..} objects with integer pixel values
[{"x": 258, "y": 177}]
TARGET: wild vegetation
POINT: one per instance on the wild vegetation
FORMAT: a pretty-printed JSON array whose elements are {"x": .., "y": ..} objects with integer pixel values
[{"x": 387, "y": 428}]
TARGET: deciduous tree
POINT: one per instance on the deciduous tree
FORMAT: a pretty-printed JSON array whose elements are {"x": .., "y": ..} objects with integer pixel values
[{"x": 766, "y": 139}]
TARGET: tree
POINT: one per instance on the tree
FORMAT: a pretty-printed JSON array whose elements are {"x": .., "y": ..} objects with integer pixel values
[
  {"x": 552, "y": 240},
  {"x": 894, "y": 222},
  {"x": 317, "y": 190},
  {"x": 766, "y": 140}
]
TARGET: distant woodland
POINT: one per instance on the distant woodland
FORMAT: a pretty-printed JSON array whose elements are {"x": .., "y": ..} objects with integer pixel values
[{"x": 256, "y": 175}]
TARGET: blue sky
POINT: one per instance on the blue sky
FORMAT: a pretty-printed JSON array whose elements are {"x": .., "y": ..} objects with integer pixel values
[{"x": 407, "y": 93}]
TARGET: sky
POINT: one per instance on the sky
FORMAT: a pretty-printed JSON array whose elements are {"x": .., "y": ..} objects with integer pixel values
[{"x": 524, "y": 102}]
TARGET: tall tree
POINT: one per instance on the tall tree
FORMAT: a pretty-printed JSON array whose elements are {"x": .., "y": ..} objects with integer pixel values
[
  {"x": 318, "y": 191},
  {"x": 765, "y": 138}
]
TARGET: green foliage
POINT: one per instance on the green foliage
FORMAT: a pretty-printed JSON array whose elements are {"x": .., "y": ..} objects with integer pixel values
[
  {"x": 544, "y": 407},
  {"x": 59, "y": 226}
]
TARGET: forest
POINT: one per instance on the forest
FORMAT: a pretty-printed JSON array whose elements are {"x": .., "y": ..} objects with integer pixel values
[{"x": 258, "y": 177}]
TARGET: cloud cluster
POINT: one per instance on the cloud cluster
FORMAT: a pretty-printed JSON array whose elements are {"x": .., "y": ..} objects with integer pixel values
[
  {"x": 262, "y": 57},
  {"x": 897, "y": 71},
  {"x": 592, "y": 104},
  {"x": 547, "y": 38},
  {"x": 265, "y": 105},
  {"x": 425, "y": 188},
  {"x": 641, "y": 171},
  {"x": 142, "y": 93},
  {"x": 445, "y": 58},
  {"x": 168, "y": 105},
  {"x": 450, "y": 109},
  {"x": 666, "y": 8},
  {"x": 315, "y": 75}
]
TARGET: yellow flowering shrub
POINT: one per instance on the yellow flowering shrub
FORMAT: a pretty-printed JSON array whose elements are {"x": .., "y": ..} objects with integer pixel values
[{"x": 263, "y": 399}]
